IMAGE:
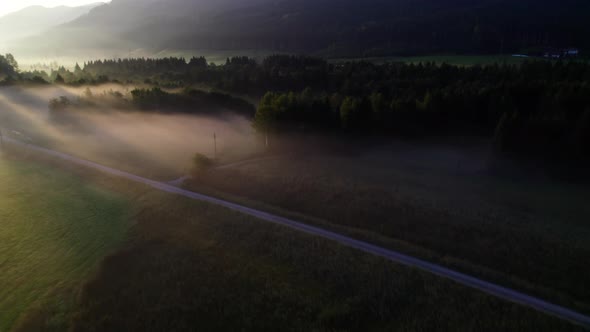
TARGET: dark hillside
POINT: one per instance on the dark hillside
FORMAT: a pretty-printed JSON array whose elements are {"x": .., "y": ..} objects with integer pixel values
[{"x": 330, "y": 27}]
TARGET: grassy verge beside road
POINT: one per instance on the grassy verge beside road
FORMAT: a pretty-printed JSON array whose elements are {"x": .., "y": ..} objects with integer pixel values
[{"x": 497, "y": 229}]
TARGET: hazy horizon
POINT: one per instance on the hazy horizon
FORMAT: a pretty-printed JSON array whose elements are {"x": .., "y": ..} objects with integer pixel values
[{"x": 9, "y": 7}]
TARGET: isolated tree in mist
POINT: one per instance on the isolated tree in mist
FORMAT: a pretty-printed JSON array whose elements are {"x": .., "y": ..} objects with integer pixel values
[
  {"x": 58, "y": 109},
  {"x": 58, "y": 104},
  {"x": 201, "y": 164},
  {"x": 88, "y": 93}
]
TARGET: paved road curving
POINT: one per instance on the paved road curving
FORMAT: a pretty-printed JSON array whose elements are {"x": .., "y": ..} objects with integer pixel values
[{"x": 461, "y": 278}]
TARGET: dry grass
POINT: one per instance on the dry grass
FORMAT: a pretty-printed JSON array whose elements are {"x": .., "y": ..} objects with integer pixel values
[
  {"x": 529, "y": 234},
  {"x": 189, "y": 265}
]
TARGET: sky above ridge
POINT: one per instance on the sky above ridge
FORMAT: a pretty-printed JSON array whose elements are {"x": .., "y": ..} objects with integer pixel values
[{"x": 9, "y": 6}]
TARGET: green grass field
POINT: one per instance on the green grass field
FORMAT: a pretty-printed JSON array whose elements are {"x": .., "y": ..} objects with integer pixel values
[
  {"x": 502, "y": 229},
  {"x": 211, "y": 269},
  {"x": 54, "y": 229},
  {"x": 188, "y": 265},
  {"x": 458, "y": 60}
]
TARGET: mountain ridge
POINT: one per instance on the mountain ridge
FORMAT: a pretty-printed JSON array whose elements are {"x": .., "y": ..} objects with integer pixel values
[
  {"x": 36, "y": 19},
  {"x": 328, "y": 27}
]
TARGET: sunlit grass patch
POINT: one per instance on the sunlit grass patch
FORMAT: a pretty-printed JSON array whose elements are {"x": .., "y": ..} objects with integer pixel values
[{"x": 53, "y": 231}]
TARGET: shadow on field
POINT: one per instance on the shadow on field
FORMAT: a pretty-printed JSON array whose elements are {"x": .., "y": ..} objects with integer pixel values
[{"x": 188, "y": 265}]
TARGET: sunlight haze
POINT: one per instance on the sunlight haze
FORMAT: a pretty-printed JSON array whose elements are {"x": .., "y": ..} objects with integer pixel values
[
  {"x": 294, "y": 165},
  {"x": 7, "y": 7}
]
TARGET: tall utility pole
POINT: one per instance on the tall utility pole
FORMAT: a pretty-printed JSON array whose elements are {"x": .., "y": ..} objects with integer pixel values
[
  {"x": 215, "y": 145},
  {"x": 1, "y": 139}
]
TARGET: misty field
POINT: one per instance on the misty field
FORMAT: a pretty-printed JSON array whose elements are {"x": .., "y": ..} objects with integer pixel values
[
  {"x": 54, "y": 229},
  {"x": 153, "y": 144},
  {"x": 187, "y": 265},
  {"x": 435, "y": 201}
]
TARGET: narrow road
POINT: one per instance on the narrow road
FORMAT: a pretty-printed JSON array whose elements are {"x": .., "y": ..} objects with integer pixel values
[{"x": 461, "y": 278}]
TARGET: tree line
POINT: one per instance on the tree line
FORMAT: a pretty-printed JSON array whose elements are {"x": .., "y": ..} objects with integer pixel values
[
  {"x": 537, "y": 107},
  {"x": 155, "y": 99},
  {"x": 8, "y": 65}
]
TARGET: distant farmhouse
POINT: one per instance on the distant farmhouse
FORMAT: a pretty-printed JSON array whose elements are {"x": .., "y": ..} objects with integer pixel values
[{"x": 563, "y": 53}]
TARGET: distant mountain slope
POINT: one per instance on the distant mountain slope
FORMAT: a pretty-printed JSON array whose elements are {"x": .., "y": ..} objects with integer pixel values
[
  {"x": 331, "y": 27},
  {"x": 35, "y": 20}
]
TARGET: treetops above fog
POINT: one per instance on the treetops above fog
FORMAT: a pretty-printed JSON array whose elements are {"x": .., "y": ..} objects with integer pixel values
[{"x": 8, "y": 66}]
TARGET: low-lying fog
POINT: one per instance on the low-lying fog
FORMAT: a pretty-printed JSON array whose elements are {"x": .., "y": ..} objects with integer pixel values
[
  {"x": 161, "y": 145},
  {"x": 154, "y": 144}
]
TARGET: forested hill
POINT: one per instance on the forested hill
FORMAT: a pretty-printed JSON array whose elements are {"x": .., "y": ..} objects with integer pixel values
[{"x": 330, "y": 27}]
